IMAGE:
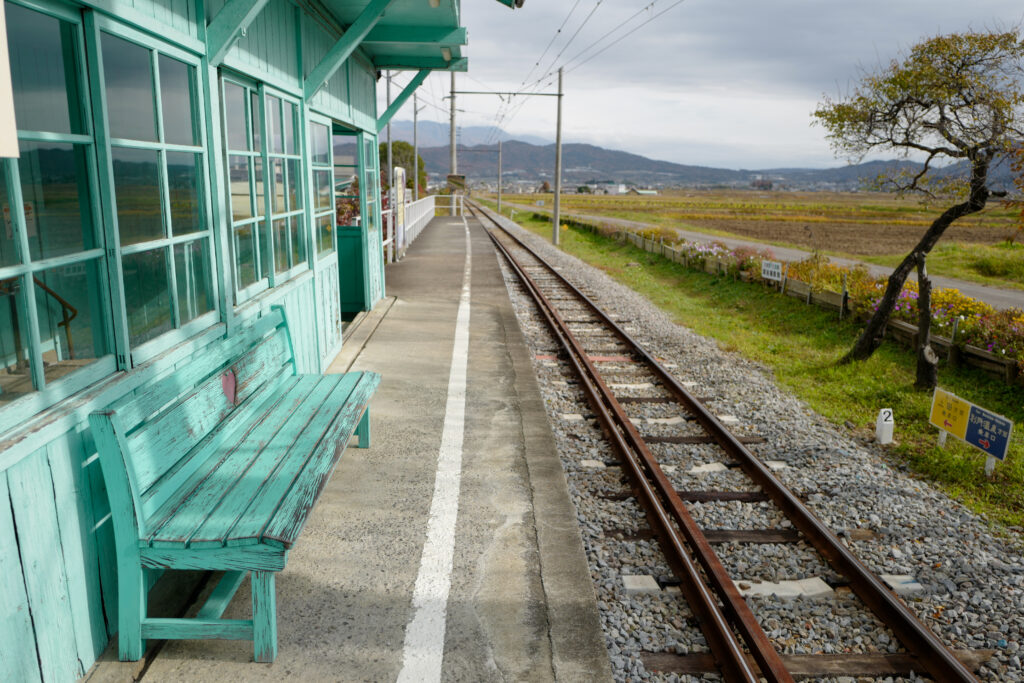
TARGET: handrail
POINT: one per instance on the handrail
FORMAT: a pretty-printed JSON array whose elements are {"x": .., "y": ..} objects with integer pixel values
[{"x": 65, "y": 307}]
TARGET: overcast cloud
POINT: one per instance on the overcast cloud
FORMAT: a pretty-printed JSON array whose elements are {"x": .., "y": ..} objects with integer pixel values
[{"x": 729, "y": 84}]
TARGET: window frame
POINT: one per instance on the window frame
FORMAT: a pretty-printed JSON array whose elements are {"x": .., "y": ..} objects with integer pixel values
[
  {"x": 266, "y": 275},
  {"x": 96, "y": 25},
  {"x": 46, "y": 392},
  {"x": 315, "y": 167}
]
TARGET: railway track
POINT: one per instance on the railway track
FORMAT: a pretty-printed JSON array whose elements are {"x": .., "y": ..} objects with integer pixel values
[{"x": 597, "y": 348}]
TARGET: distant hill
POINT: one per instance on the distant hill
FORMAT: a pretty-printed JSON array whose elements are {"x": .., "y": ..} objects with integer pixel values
[
  {"x": 527, "y": 163},
  {"x": 434, "y": 134}
]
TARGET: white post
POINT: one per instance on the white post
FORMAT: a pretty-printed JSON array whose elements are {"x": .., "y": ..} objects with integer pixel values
[
  {"x": 499, "y": 175},
  {"x": 557, "y": 215}
]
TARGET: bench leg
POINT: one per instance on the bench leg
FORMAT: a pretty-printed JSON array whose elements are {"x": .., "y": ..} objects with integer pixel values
[
  {"x": 264, "y": 617},
  {"x": 131, "y": 610},
  {"x": 363, "y": 429}
]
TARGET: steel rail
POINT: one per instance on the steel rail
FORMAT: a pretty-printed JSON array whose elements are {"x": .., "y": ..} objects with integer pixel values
[
  {"x": 932, "y": 654},
  {"x": 723, "y": 643}
]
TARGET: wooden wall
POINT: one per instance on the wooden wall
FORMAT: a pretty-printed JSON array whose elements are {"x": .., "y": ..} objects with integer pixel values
[{"x": 57, "y": 568}]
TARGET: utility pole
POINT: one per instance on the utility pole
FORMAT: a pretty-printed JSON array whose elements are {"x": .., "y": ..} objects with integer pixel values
[
  {"x": 556, "y": 216},
  {"x": 391, "y": 173},
  {"x": 558, "y": 140},
  {"x": 415, "y": 150},
  {"x": 451, "y": 134}
]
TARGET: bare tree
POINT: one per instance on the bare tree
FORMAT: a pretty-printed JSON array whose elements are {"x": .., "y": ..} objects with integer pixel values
[{"x": 953, "y": 98}]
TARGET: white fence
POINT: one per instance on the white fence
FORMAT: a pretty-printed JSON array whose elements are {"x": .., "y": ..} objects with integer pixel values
[
  {"x": 452, "y": 204},
  {"x": 397, "y": 238}
]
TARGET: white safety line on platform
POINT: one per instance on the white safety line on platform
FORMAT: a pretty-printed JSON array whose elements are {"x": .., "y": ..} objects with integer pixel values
[{"x": 424, "y": 636}]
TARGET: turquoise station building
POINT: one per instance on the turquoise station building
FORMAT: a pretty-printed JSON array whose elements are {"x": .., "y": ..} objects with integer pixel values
[{"x": 182, "y": 167}]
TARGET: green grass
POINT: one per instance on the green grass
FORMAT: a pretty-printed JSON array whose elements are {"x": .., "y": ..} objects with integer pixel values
[
  {"x": 1001, "y": 265},
  {"x": 801, "y": 345}
]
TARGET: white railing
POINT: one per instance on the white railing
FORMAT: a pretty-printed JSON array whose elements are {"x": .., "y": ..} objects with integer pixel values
[
  {"x": 417, "y": 215},
  {"x": 451, "y": 204}
]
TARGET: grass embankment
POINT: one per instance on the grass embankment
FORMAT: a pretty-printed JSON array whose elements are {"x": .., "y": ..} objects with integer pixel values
[
  {"x": 999, "y": 265},
  {"x": 801, "y": 344}
]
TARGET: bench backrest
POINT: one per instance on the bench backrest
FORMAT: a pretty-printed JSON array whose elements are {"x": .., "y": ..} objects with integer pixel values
[{"x": 151, "y": 440}]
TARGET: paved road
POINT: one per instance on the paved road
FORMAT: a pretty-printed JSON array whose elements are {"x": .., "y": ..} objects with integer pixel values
[{"x": 996, "y": 296}]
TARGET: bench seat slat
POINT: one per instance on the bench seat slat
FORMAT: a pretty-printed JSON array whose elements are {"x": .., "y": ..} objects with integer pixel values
[
  {"x": 158, "y": 444},
  {"x": 315, "y": 455},
  {"x": 246, "y": 496},
  {"x": 185, "y": 513},
  {"x": 286, "y": 524},
  {"x": 136, "y": 406},
  {"x": 206, "y": 455}
]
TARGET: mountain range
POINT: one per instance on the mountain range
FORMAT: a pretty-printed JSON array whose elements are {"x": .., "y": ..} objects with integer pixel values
[{"x": 532, "y": 161}]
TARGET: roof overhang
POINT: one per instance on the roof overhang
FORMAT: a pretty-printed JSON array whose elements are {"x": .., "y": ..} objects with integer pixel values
[{"x": 409, "y": 34}]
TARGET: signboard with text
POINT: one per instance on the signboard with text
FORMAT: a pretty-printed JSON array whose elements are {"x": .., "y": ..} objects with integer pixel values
[
  {"x": 771, "y": 270},
  {"x": 983, "y": 429},
  {"x": 456, "y": 181}
]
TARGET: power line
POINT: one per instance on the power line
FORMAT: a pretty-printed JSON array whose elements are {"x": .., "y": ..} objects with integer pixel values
[{"x": 621, "y": 38}]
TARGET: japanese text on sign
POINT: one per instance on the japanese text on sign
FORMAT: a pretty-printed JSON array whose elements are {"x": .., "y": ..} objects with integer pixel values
[
  {"x": 972, "y": 424},
  {"x": 771, "y": 270}
]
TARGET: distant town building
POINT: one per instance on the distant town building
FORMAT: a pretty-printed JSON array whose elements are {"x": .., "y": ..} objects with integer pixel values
[{"x": 645, "y": 193}]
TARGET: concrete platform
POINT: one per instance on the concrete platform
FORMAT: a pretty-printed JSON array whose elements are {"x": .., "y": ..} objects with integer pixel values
[{"x": 520, "y": 606}]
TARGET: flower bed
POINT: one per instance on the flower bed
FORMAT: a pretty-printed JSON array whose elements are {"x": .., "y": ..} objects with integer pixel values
[{"x": 978, "y": 326}]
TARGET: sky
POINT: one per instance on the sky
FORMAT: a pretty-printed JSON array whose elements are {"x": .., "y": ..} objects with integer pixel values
[{"x": 708, "y": 83}]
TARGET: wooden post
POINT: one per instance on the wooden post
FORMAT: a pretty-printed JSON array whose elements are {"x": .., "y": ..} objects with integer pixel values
[{"x": 845, "y": 299}]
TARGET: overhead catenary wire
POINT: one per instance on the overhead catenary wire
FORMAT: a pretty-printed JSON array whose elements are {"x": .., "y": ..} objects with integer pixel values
[{"x": 512, "y": 110}]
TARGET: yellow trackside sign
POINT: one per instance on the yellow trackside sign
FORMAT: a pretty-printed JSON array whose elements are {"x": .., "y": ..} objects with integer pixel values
[
  {"x": 950, "y": 413},
  {"x": 983, "y": 429}
]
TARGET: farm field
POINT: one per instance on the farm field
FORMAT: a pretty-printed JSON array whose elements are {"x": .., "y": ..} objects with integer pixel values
[
  {"x": 874, "y": 227},
  {"x": 854, "y": 223}
]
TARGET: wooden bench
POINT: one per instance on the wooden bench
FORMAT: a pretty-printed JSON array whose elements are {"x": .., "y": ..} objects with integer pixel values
[{"x": 217, "y": 467}]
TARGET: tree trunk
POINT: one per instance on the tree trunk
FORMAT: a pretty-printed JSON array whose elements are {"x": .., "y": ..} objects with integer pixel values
[
  {"x": 871, "y": 337},
  {"x": 927, "y": 361}
]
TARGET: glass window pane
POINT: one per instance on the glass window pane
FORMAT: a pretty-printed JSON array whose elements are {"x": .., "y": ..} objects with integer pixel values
[
  {"x": 245, "y": 256},
  {"x": 325, "y": 235},
  {"x": 295, "y": 224},
  {"x": 257, "y": 169},
  {"x": 318, "y": 137},
  {"x": 183, "y": 171},
  {"x": 43, "y": 53},
  {"x": 234, "y": 116},
  {"x": 129, "y": 79},
  {"x": 323, "y": 189},
  {"x": 137, "y": 193},
  {"x": 257, "y": 122},
  {"x": 280, "y": 245},
  {"x": 176, "y": 90},
  {"x": 147, "y": 296},
  {"x": 289, "y": 128},
  {"x": 238, "y": 177},
  {"x": 274, "y": 124},
  {"x": 195, "y": 282},
  {"x": 72, "y": 328},
  {"x": 294, "y": 186},
  {"x": 8, "y": 254},
  {"x": 15, "y": 377},
  {"x": 345, "y": 150},
  {"x": 277, "y": 174},
  {"x": 265, "y": 244},
  {"x": 55, "y": 187}
]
